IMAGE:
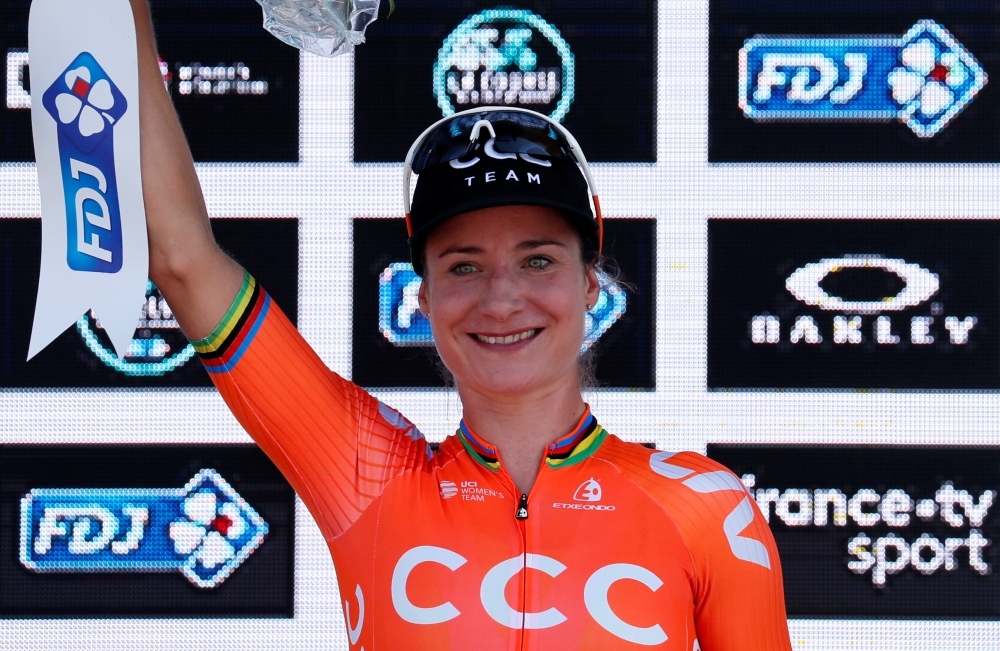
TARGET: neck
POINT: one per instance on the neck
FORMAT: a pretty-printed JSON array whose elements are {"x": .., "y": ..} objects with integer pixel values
[{"x": 521, "y": 428}]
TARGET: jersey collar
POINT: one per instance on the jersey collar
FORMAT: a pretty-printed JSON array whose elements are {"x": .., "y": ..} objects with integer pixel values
[{"x": 581, "y": 442}]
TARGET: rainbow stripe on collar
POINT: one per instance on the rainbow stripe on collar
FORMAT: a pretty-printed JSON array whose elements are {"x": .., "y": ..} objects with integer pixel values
[
  {"x": 577, "y": 445},
  {"x": 571, "y": 449},
  {"x": 221, "y": 350}
]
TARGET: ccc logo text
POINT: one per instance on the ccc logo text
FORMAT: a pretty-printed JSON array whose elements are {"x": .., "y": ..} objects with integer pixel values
[{"x": 491, "y": 593}]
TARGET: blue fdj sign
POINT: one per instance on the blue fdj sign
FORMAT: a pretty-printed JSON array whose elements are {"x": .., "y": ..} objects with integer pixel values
[
  {"x": 925, "y": 78},
  {"x": 204, "y": 530},
  {"x": 86, "y": 104},
  {"x": 403, "y": 324}
]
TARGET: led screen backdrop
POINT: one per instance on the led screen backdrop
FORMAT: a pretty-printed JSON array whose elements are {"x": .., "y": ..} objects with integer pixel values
[
  {"x": 876, "y": 532},
  {"x": 564, "y": 60},
  {"x": 159, "y": 355},
  {"x": 194, "y": 531},
  {"x": 236, "y": 88},
  {"x": 853, "y": 81},
  {"x": 746, "y": 207},
  {"x": 392, "y": 346},
  {"x": 850, "y": 304}
]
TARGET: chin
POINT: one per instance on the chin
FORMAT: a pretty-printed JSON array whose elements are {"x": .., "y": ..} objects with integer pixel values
[{"x": 512, "y": 380}]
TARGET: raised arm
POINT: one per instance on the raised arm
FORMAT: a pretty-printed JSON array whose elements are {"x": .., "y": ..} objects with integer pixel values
[{"x": 189, "y": 268}]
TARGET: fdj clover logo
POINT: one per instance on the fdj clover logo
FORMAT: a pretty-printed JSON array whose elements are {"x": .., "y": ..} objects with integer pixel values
[
  {"x": 403, "y": 324},
  {"x": 924, "y": 79},
  {"x": 204, "y": 530},
  {"x": 505, "y": 57},
  {"x": 157, "y": 348},
  {"x": 85, "y": 104},
  {"x": 919, "y": 285}
]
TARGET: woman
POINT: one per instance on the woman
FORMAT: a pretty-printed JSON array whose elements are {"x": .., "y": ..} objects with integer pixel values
[{"x": 532, "y": 527}]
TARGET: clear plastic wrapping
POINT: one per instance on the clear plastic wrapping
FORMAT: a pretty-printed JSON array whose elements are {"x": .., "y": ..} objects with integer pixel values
[{"x": 323, "y": 27}]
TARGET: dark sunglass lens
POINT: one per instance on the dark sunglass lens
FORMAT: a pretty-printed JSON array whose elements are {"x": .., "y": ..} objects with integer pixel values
[
  {"x": 516, "y": 145},
  {"x": 517, "y": 133}
]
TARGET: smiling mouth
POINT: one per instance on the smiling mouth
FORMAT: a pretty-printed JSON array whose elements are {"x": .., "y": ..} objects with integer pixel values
[{"x": 509, "y": 339}]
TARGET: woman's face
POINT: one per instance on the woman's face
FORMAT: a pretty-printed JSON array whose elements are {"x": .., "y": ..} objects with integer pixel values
[{"x": 506, "y": 293}]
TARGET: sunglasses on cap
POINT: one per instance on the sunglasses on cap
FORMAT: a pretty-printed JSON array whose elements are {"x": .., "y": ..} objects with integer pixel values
[{"x": 458, "y": 140}]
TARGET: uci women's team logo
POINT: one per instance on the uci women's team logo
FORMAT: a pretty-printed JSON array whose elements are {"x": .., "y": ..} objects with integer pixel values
[
  {"x": 86, "y": 105},
  {"x": 505, "y": 57}
]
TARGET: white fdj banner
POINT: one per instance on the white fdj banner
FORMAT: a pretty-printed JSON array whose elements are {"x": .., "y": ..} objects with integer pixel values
[{"x": 85, "y": 119}]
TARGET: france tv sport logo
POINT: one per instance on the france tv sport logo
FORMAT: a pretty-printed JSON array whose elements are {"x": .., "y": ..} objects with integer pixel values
[
  {"x": 403, "y": 324},
  {"x": 205, "y": 530},
  {"x": 924, "y": 78},
  {"x": 86, "y": 105}
]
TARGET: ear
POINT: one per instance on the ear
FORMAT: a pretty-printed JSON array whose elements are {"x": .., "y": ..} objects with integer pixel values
[
  {"x": 422, "y": 300},
  {"x": 593, "y": 291}
]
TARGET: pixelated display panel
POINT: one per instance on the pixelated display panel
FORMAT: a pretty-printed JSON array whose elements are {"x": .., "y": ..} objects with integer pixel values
[
  {"x": 561, "y": 60},
  {"x": 843, "y": 303},
  {"x": 144, "y": 531},
  {"x": 625, "y": 350},
  {"x": 852, "y": 81},
  {"x": 159, "y": 354},
  {"x": 235, "y": 87},
  {"x": 878, "y": 532}
]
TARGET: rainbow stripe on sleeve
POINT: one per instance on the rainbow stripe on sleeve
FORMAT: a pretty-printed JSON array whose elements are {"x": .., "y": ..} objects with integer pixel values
[{"x": 221, "y": 350}]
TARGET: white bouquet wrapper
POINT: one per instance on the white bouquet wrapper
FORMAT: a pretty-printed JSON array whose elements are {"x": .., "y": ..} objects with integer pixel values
[{"x": 323, "y": 27}]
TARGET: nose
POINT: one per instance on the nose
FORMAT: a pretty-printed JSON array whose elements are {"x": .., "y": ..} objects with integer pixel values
[{"x": 502, "y": 295}]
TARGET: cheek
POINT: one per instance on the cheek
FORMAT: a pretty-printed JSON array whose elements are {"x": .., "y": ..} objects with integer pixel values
[
  {"x": 563, "y": 300},
  {"x": 448, "y": 303}
]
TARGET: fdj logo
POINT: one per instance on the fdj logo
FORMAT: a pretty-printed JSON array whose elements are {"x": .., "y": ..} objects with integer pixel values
[
  {"x": 403, "y": 324},
  {"x": 204, "y": 530},
  {"x": 86, "y": 104},
  {"x": 924, "y": 79},
  {"x": 157, "y": 348},
  {"x": 849, "y": 327},
  {"x": 505, "y": 57}
]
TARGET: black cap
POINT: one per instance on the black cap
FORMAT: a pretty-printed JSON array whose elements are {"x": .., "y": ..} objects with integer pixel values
[{"x": 449, "y": 189}]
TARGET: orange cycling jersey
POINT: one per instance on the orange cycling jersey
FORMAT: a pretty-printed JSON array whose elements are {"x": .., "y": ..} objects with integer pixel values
[{"x": 616, "y": 546}]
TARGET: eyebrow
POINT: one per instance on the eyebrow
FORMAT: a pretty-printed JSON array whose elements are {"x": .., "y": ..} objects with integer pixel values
[
  {"x": 534, "y": 244},
  {"x": 527, "y": 244},
  {"x": 460, "y": 249}
]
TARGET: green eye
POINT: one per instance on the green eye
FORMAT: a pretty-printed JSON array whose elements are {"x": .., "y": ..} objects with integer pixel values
[
  {"x": 538, "y": 262},
  {"x": 463, "y": 268}
]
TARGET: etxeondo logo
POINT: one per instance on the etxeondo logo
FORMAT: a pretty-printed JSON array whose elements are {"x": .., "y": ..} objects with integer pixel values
[
  {"x": 589, "y": 492},
  {"x": 85, "y": 105}
]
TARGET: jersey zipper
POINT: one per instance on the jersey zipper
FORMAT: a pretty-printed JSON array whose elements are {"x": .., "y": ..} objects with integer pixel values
[
  {"x": 522, "y": 508},
  {"x": 521, "y": 515}
]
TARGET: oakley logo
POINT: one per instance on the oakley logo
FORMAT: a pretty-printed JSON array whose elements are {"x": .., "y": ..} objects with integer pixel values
[
  {"x": 494, "y": 602},
  {"x": 589, "y": 491},
  {"x": 920, "y": 285}
]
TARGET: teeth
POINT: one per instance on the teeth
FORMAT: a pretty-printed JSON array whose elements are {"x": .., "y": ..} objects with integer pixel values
[{"x": 509, "y": 339}]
